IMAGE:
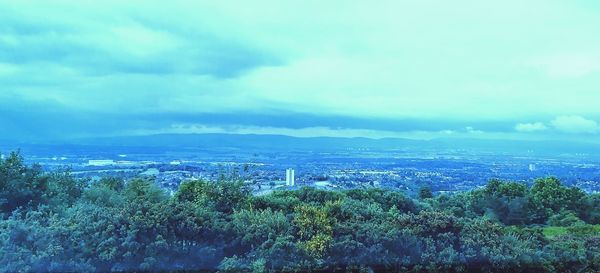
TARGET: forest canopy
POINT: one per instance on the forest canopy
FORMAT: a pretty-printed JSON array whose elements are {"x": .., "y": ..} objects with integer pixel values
[{"x": 51, "y": 221}]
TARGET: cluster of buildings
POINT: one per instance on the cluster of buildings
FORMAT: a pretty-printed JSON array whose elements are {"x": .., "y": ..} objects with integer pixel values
[{"x": 333, "y": 171}]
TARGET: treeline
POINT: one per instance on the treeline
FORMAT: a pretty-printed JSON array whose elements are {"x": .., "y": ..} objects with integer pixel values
[{"x": 54, "y": 222}]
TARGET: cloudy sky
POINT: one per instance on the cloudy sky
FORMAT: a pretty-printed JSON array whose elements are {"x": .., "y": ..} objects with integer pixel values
[{"x": 416, "y": 69}]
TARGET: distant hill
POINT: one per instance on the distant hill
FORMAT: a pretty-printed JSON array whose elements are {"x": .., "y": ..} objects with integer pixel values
[
  {"x": 249, "y": 141},
  {"x": 281, "y": 142},
  {"x": 288, "y": 143}
]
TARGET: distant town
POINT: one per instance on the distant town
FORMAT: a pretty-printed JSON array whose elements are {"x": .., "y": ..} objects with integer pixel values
[{"x": 265, "y": 171}]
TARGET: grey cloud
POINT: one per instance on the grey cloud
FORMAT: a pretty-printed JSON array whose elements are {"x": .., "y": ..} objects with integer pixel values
[
  {"x": 574, "y": 124},
  {"x": 35, "y": 120},
  {"x": 25, "y": 42}
]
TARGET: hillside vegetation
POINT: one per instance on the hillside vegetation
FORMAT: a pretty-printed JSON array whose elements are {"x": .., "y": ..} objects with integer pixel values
[{"x": 54, "y": 222}]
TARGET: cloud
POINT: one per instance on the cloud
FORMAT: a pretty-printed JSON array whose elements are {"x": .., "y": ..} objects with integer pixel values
[
  {"x": 54, "y": 119},
  {"x": 296, "y": 132},
  {"x": 530, "y": 127},
  {"x": 472, "y": 130},
  {"x": 386, "y": 66},
  {"x": 318, "y": 131},
  {"x": 575, "y": 124},
  {"x": 123, "y": 44},
  {"x": 8, "y": 69},
  {"x": 570, "y": 65}
]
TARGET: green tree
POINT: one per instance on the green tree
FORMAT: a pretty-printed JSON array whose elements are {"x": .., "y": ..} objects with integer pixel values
[
  {"x": 256, "y": 227},
  {"x": 63, "y": 189},
  {"x": 222, "y": 195},
  {"x": 564, "y": 218},
  {"x": 20, "y": 185},
  {"x": 425, "y": 193},
  {"x": 315, "y": 229},
  {"x": 548, "y": 196}
]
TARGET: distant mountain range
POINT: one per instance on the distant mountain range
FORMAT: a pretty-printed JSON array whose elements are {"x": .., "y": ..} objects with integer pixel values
[
  {"x": 282, "y": 142},
  {"x": 249, "y": 141},
  {"x": 287, "y": 143}
]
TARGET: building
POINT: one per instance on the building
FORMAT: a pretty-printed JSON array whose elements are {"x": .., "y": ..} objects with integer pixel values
[
  {"x": 102, "y": 162},
  {"x": 290, "y": 179}
]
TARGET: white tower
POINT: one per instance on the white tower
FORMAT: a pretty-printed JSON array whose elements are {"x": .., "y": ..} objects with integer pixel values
[
  {"x": 532, "y": 167},
  {"x": 293, "y": 180},
  {"x": 290, "y": 177}
]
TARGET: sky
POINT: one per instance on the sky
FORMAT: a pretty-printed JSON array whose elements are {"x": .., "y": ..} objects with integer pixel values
[{"x": 416, "y": 69}]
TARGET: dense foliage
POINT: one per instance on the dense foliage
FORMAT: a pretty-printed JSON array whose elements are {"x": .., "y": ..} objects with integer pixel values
[{"x": 53, "y": 222}]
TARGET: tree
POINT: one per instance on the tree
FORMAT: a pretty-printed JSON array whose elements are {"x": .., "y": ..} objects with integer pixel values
[
  {"x": 548, "y": 196},
  {"x": 425, "y": 193},
  {"x": 20, "y": 185},
  {"x": 506, "y": 202},
  {"x": 113, "y": 183},
  {"x": 254, "y": 227},
  {"x": 63, "y": 189},
  {"x": 592, "y": 209},
  {"x": 564, "y": 218},
  {"x": 59, "y": 225},
  {"x": 222, "y": 195},
  {"x": 315, "y": 229}
]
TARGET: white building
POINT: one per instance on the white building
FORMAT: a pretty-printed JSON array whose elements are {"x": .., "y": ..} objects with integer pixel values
[
  {"x": 290, "y": 179},
  {"x": 102, "y": 162}
]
